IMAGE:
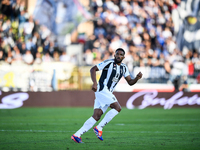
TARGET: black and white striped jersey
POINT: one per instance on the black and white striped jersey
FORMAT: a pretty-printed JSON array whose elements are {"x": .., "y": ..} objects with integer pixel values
[{"x": 111, "y": 74}]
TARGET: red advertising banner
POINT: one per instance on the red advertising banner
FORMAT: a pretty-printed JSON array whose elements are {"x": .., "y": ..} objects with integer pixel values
[{"x": 131, "y": 100}]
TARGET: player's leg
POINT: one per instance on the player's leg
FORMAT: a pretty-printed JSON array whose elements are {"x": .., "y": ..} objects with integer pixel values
[
  {"x": 90, "y": 122},
  {"x": 99, "y": 113},
  {"x": 87, "y": 125},
  {"x": 116, "y": 108}
]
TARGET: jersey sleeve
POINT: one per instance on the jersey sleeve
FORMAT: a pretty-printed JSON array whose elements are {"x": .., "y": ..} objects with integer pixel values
[
  {"x": 103, "y": 64},
  {"x": 126, "y": 71}
]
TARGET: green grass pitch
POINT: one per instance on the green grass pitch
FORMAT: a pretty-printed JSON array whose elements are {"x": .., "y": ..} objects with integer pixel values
[{"x": 147, "y": 129}]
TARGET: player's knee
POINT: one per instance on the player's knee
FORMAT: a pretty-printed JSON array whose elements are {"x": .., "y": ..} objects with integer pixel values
[
  {"x": 116, "y": 107},
  {"x": 119, "y": 109},
  {"x": 97, "y": 114},
  {"x": 96, "y": 117}
]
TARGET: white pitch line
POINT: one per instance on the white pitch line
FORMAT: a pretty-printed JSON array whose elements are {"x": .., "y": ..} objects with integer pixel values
[
  {"x": 33, "y": 123},
  {"x": 156, "y": 124},
  {"x": 32, "y": 131},
  {"x": 166, "y": 119},
  {"x": 79, "y": 119},
  {"x": 50, "y": 131},
  {"x": 122, "y": 124}
]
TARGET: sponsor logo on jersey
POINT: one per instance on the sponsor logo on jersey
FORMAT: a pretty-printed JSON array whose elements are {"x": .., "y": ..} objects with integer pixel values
[{"x": 115, "y": 79}]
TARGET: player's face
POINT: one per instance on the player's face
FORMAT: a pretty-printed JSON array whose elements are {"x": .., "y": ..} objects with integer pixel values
[{"x": 119, "y": 56}]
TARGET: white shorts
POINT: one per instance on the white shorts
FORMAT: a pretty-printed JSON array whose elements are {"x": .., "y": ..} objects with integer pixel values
[{"x": 103, "y": 99}]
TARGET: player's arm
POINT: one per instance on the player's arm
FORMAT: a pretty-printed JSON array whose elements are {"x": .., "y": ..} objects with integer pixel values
[
  {"x": 133, "y": 81},
  {"x": 93, "y": 77}
]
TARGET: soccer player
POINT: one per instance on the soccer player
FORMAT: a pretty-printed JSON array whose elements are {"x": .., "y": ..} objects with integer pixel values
[{"x": 112, "y": 71}]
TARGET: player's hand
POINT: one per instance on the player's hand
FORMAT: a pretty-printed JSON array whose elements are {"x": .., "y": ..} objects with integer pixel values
[
  {"x": 139, "y": 75},
  {"x": 94, "y": 87}
]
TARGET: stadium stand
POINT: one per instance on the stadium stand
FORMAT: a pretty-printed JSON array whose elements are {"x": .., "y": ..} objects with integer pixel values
[{"x": 144, "y": 28}]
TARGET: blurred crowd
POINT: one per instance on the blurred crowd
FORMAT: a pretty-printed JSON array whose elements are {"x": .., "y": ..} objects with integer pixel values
[
  {"x": 143, "y": 28},
  {"x": 23, "y": 39}
]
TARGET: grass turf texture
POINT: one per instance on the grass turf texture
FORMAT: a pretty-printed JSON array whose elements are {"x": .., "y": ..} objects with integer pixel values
[{"x": 51, "y": 128}]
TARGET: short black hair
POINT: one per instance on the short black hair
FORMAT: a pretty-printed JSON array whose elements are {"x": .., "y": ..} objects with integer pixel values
[{"x": 120, "y": 49}]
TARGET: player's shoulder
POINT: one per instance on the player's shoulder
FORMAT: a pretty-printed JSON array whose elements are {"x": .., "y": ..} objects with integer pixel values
[
  {"x": 108, "y": 60},
  {"x": 124, "y": 65}
]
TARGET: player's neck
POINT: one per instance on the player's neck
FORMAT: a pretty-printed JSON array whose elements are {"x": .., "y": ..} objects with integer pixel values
[{"x": 118, "y": 64}]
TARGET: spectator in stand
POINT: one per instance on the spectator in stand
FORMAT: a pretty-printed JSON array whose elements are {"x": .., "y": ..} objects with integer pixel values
[
  {"x": 36, "y": 28},
  {"x": 47, "y": 58},
  {"x": 16, "y": 10},
  {"x": 22, "y": 20},
  {"x": 176, "y": 83},
  {"x": 44, "y": 32},
  {"x": 154, "y": 59},
  {"x": 97, "y": 57},
  {"x": 136, "y": 60},
  {"x": 89, "y": 43},
  {"x": 100, "y": 41},
  {"x": 56, "y": 56},
  {"x": 28, "y": 28},
  {"x": 46, "y": 44},
  {"x": 167, "y": 33},
  {"x": 184, "y": 84},
  {"x": 6, "y": 8},
  {"x": 196, "y": 62},
  {"x": 189, "y": 63},
  {"x": 6, "y": 26},
  {"x": 28, "y": 57},
  {"x": 51, "y": 48},
  {"x": 9, "y": 58},
  {"x": 99, "y": 29},
  {"x": 143, "y": 28},
  {"x": 106, "y": 55},
  {"x": 64, "y": 57},
  {"x": 17, "y": 56},
  {"x": 29, "y": 44},
  {"x": 198, "y": 78},
  {"x": 2, "y": 56},
  {"x": 115, "y": 42},
  {"x": 23, "y": 48},
  {"x": 88, "y": 57},
  {"x": 129, "y": 61},
  {"x": 38, "y": 59},
  {"x": 37, "y": 41}
]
